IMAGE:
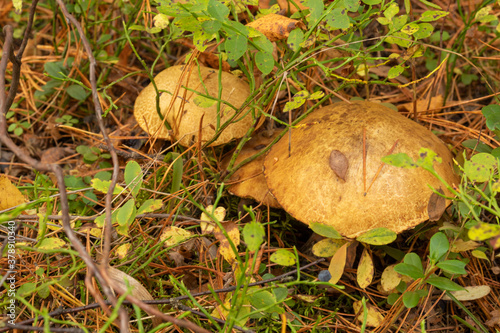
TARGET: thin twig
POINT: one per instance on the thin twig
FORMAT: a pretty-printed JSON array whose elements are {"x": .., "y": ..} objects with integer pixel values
[{"x": 173, "y": 300}]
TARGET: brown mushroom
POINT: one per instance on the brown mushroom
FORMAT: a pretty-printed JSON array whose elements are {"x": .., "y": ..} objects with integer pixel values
[
  {"x": 326, "y": 179},
  {"x": 188, "y": 113},
  {"x": 249, "y": 181}
]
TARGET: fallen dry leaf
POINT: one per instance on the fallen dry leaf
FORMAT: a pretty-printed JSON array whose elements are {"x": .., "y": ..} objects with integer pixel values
[
  {"x": 275, "y": 27},
  {"x": 374, "y": 316},
  {"x": 423, "y": 105},
  {"x": 10, "y": 196},
  {"x": 470, "y": 293},
  {"x": 54, "y": 154},
  {"x": 337, "y": 264},
  {"x": 365, "y": 270},
  {"x": 207, "y": 225},
  {"x": 436, "y": 206},
  {"x": 390, "y": 279},
  {"x": 461, "y": 246},
  {"x": 225, "y": 248},
  {"x": 339, "y": 164}
]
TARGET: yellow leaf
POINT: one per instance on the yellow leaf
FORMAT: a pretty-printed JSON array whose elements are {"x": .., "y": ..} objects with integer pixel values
[
  {"x": 470, "y": 293},
  {"x": 51, "y": 243},
  {"x": 374, "y": 318},
  {"x": 174, "y": 236},
  {"x": 327, "y": 247},
  {"x": 461, "y": 246},
  {"x": 337, "y": 264},
  {"x": 390, "y": 278},
  {"x": 10, "y": 196},
  {"x": 122, "y": 250},
  {"x": 225, "y": 248},
  {"x": 219, "y": 214},
  {"x": 365, "y": 270}
]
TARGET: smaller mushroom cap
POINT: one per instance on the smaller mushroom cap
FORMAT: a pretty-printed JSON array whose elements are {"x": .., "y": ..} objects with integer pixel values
[
  {"x": 191, "y": 109},
  {"x": 323, "y": 178},
  {"x": 249, "y": 180}
]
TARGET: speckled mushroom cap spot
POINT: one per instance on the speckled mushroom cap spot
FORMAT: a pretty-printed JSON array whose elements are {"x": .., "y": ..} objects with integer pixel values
[
  {"x": 306, "y": 186},
  {"x": 249, "y": 180},
  {"x": 185, "y": 116}
]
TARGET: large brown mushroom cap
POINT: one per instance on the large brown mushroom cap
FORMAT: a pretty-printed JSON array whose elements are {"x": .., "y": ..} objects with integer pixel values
[
  {"x": 185, "y": 116},
  {"x": 309, "y": 189},
  {"x": 249, "y": 181}
]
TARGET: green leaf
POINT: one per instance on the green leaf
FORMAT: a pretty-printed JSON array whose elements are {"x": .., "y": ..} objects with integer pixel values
[
  {"x": 51, "y": 243},
  {"x": 492, "y": 115},
  {"x": 372, "y": 2},
  {"x": 430, "y": 4},
  {"x": 351, "y": 5},
  {"x": 443, "y": 283},
  {"x": 295, "y": 38},
  {"x": 452, "y": 266},
  {"x": 103, "y": 186},
  {"x": 283, "y": 257},
  {"x": 439, "y": 246},
  {"x": 427, "y": 158},
  {"x": 414, "y": 260},
  {"x": 56, "y": 69},
  {"x": 236, "y": 46},
  {"x": 77, "y": 92},
  {"x": 178, "y": 171},
  {"x": 201, "y": 38},
  {"x": 25, "y": 289},
  {"x": 204, "y": 102},
  {"x": 133, "y": 177},
  {"x": 325, "y": 230},
  {"x": 149, "y": 206},
  {"x": 253, "y": 235},
  {"x": 126, "y": 213},
  {"x": 316, "y": 95},
  {"x": 424, "y": 30},
  {"x": 44, "y": 292},
  {"x": 391, "y": 11},
  {"x": 399, "y": 22},
  {"x": 410, "y": 28},
  {"x": 264, "y": 44},
  {"x": 264, "y": 300},
  {"x": 400, "y": 160},
  {"x": 297, "y": 101},
  {"x": 217, "y": 10},
  {"x": 211, "y": 27},
  {"x": 338, "y": 19},
  {"x": 264, "y": 62},
  {"x": 316, "y": 8},
  {"x": 378, "y": 236},
  {"x": 432, "y": 15},
  {"x": 410, "y": 299},
  {"x": 399, "y": 38},
  {"x": 409, "y": 270},
  {"x": 280, "y": 294},
  {"x": 395, "y": 71},
  {"x": 480, "y": 167}
]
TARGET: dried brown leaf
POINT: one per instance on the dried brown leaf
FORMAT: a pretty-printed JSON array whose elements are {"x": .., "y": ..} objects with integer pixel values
[
  {"x": 365, "y": 270},
  {"x": 339, "y": 164},
  {"x": 275, "y": 27},
  {"x": 436, "y": 206}
]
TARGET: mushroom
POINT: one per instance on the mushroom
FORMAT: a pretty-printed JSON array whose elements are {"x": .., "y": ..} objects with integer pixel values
[
  {"x": 249, "y": 181},
  {"x": 192, "y": 107},
  {"x": 325, "y": 178}
]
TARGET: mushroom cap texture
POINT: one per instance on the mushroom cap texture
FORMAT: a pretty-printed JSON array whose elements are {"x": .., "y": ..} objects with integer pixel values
[
  {"x": 250, "y": 180},
  {"x": 185, "y": 116},
  {"x": 307, "y": 187}
]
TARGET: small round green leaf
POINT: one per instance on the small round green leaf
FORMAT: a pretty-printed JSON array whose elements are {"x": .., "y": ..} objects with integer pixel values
[
  {"x": 253, "y": 235},
  {"x": 283, "y": 257}
]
